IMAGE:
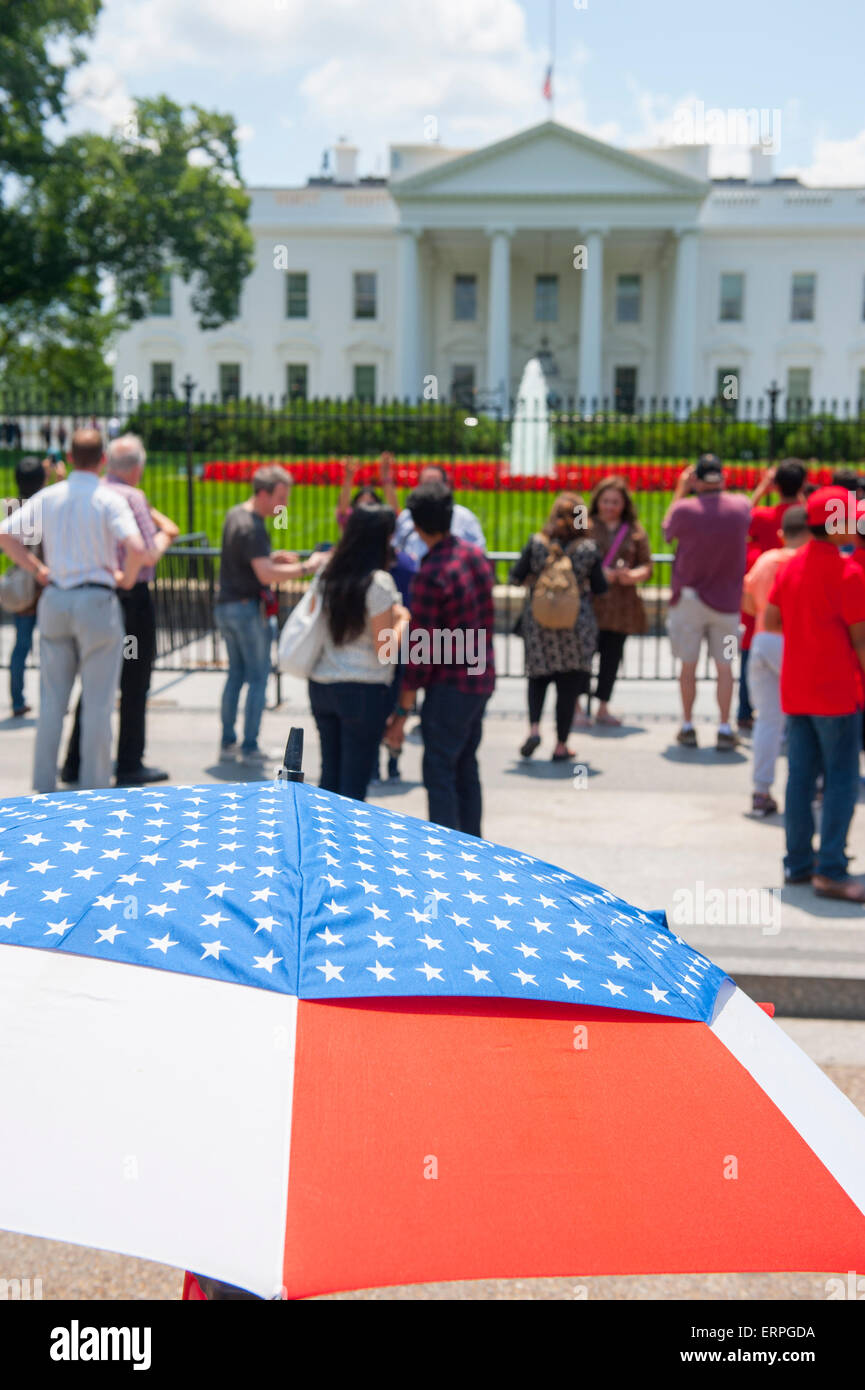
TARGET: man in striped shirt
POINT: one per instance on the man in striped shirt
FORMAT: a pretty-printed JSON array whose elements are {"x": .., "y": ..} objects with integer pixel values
[{"x": 79, "y": 524}]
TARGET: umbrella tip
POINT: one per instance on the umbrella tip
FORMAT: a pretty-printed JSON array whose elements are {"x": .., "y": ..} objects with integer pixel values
[{"x": 292, "y": 762}]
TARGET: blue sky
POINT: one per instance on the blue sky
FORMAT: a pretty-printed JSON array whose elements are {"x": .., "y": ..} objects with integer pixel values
[{"x": 296, "y": 74}]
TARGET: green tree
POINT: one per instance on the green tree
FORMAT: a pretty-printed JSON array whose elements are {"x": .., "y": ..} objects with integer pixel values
[{"x": 89, "y": 223}]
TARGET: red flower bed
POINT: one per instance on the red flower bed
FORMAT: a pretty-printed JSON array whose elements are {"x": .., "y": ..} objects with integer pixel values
[{"x": 486, "y": 475}]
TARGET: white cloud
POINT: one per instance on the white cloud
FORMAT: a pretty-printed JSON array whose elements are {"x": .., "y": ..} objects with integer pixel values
[
  {"x": 836, "y": 163},
  {"x": 99, "y": 97}
]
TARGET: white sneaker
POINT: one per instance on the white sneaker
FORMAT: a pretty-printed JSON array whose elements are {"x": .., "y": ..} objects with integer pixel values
[{"x": 228, "y": 752}]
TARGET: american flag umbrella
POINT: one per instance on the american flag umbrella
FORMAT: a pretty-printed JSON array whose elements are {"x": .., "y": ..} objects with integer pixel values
[{"x": 301, "y": 1044}]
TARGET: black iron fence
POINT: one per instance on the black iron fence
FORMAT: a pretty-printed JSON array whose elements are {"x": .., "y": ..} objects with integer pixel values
[
  {"x": 188, "y": 639},
  {"x": 505, "y": 466}
]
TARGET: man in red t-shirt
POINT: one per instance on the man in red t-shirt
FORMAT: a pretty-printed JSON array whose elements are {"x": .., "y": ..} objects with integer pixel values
[
  {"x": 787, "y": 480},
  {"x": 818, "y": 602}
]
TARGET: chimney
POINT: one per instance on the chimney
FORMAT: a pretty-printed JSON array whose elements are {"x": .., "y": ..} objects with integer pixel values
[
  {"x": 762, "y": 170},
  {"x": 344, "y": 161}
]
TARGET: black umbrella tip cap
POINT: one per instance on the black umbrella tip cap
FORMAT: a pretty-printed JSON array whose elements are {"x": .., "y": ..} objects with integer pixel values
[{"x": 292, "y": 769}]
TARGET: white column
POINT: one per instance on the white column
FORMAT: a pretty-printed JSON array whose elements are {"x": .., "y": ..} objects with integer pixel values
[
  {"x": 683, "y": 327},
  {"x": 409, "y": 375},
  {"x": 499, "y": 315},
  {"x": 590, "y": 368}
]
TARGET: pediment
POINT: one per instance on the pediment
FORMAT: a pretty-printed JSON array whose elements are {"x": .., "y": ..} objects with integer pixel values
[{"x": 548, "y": 160}]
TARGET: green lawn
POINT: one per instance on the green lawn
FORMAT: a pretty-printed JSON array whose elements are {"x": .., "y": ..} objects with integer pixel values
[{"x": 508, "y": 518}]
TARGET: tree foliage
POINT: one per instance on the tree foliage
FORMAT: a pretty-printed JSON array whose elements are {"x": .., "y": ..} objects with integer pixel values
[{"x": 90, "y": 222}]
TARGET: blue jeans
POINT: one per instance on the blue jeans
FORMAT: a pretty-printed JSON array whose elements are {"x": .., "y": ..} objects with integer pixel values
[
  {"x": 452, "y": 723},
  {"x": 828, "y": 744},
  {"x": 247, "y": 635},
  {"x": 350, "y": 717},
  {"x": 24, "y": 625},
  {"x": 745, "y": 711}
]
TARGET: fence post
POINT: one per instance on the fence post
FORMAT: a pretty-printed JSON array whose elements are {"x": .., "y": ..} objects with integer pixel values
[
  {"x": 188, "y": 387},
  {"x": 773, "y": 392}
]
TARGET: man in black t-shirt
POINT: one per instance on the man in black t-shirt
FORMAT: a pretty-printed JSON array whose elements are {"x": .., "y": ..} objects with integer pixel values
[{"x": 247, "y": 567}]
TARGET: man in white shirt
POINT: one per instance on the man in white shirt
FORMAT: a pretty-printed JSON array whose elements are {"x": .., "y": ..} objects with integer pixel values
[
  {"x": 79, "y": 524},
  {"x": 465, "y": 525}
]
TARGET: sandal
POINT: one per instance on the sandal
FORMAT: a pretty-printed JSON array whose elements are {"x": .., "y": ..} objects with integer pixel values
[
  {"x": 565, "y": 757},
  {"x": 531, "y": 743},
  {"x": 609, "y": 720}
]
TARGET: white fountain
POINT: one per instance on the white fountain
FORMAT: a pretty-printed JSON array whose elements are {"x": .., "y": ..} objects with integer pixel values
[{"x": 531, "y": 446}]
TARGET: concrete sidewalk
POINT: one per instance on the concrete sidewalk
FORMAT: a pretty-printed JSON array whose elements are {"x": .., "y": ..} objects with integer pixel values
[{"x": 660, "y": 825}]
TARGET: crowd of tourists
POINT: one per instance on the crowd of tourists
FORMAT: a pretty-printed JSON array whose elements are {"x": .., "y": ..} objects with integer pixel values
[{"x": 400, "y": 619}]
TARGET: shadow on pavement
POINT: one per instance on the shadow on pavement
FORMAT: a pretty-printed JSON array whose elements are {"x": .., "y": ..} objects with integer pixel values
[
  {"x": 547, "y": 771},
  {"x": 702, "y": 757}
]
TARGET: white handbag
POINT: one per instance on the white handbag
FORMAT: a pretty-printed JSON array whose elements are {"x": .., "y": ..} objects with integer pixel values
[{"x": 302, "y": 638}]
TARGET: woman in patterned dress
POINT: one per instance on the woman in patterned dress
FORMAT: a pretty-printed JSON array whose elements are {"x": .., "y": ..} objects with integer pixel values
[
  {"x": 627, "y": 559},
  {"x": 560, "y": 655}
]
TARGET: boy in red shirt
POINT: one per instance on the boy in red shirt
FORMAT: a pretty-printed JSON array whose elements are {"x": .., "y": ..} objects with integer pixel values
[
  {"x": 818, "y": 602},
  {"x": 787, "y": 480}
]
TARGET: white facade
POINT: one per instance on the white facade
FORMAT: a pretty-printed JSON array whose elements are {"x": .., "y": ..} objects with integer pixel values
[{"x": 500, "y": 217}]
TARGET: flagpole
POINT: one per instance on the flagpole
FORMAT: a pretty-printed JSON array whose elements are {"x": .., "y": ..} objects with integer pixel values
[{"x": 552, "y": 98}]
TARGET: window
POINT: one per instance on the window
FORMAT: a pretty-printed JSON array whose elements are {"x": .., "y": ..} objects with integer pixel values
[
  {"x": 364, "y": 294},
  {"x": 798, "y": 390},
  {"x": 297, "y": 381},
  {"x": 546, "y": 298},
  {"x": 463, "y": 385},
  {"x": 364, "y": 383},
  {"x": 161, "y": 379},
  {"x": 466, "y": 297},
  {"x": 229, "y": 381},
  {"x": 803, "y": 298},
  {"x": 160, "y": 306},
  {"x": 627, "y": 299},
  {"x": 297, "y": 295},
  {"x": 626, "y": 389},
  {"x": 727, "y": 389},
  {"x": 732, "y": 298}
]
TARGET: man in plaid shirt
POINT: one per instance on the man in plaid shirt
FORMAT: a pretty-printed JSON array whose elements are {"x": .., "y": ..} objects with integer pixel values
[{"x": 451, "y": 656}]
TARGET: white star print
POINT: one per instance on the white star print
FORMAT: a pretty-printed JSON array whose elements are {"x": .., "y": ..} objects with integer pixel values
[
  {"x": 109, "y": 934},
  {"x": 267, "y": 962},
  {"x": 381, "y": 972},
  {"x": 330, "y": 938},
  {"x": 431, "y": 943},
  {"x": 331, "y": 972},
  {"x": 381, "y": 940},
  {"x": 614, "y": 989},
  {"x": 621, "y": 961},
  {"x": 162, "y": 944},
  {"x": 659, "y": 995},
  {"x": 523, "y": 978},
  {"x": 432, "y": 972},
  {"x": 213, "y": 948},
  {"x": 527, "y": 950},
  {"x": 478, "y": 974},
  {"x": 53, "y": 895},
  {"x": 568, "y": 982}
]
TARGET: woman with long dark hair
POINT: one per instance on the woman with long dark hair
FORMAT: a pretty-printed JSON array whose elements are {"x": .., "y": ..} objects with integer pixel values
[
  {"x": 555, "y": 652},
  {"x": 350, "y": 685},
  {"x": 627, "y": 561}
]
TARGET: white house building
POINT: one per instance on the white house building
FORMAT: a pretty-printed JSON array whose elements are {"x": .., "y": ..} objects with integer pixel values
[{"x": 642, "y": 278}]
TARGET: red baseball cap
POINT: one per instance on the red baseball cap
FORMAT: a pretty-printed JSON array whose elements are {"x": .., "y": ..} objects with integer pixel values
[{"x": 826, "y": 503}]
